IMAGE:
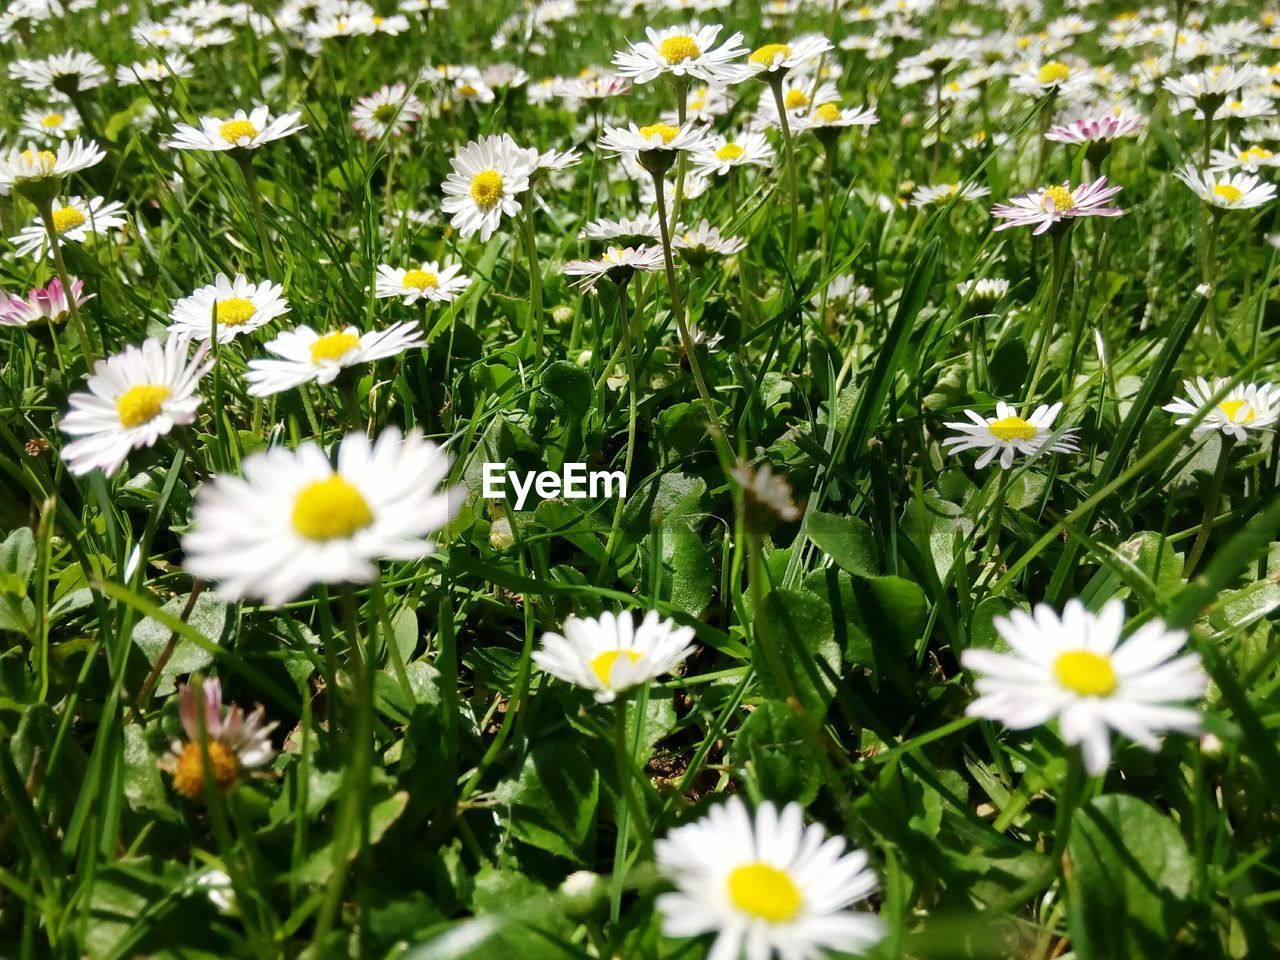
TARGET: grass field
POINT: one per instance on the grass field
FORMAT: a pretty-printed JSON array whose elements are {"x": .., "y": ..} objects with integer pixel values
[{"x": 684, "y": 479}]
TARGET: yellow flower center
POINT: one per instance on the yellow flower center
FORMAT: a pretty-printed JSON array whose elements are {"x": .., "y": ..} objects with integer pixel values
[
  {"x": 420, "y": 279},
  {"x": 234, "y": 311},
  {"x": 766, "y": 55},
  {"x": 1009, "y": 429},
  {"x": 1233, "y": 408},
  {"x": 330, "y": 509},
  {"x": 679, "y": 48},
  {"x": 795, "y": 99},
  {"x": 602, "y": 666},
  {"x": 612, "y": 255},
  {"x": 1235, "y": 105},
  {"x": 67, "y": 218},
  {"x": 332, "y": 346},
  {"x": 1227, "y": 192},
  {"x": 44, "y": 159},
  {"x": 664, "y": 130},
  {"x": 1053, "y": 72},
  {"x": 141, "y": 403},
  {"x": 51, "y": 120},
  {"x": 865, "y": 11},
  {"x": 467, "y": 90},
  {"x": 188, "y": 775},
  {"x": 385, "y": 112},
  {"x": 764, "y": 892},
  {"x": 730, "y": 151},
  {"x": 1088, "y": 674},
  {"x": 233, "y": 131},
  {"x": 486, "y": 188},
  {"x": 1060, "y": 198},
  {"x": 1254, "y": 154},
  {"x": 828, "y": 112}
]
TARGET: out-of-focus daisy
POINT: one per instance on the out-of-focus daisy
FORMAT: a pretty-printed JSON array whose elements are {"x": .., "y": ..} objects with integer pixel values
[
  {"x": 799, "y": 95},
  {"x": 75, "y": 219},
  {"x": 616, "y": 263},
  {"x": 596, "y": 86},
  {"x": 1249, "y": 159},
  {"x": 240, "y": 307},
  {"x": 941, "y": 193},
  {"x": 1223, "y": 191},
  {"x": 765, "y": 886},
  {"x": 1248, "y": 406},
  {"x": 831, "y": 117},
  {"x": 235, "y": 742},
  {"x": 1057, "y": 204},
  {"x": 844, "y": 292},
  {"x": 48, "y": 304},
  {"x": 1205, "y": 90},
  {"x": 244, "y": 131},
  {"x": 294, "y": 519},
  {"x": 1076, "y": 668},
  {"x": 767, "y": 497},
  {"x": 1007, "y": 434},
  {"x": 1102, "y": 128},
  {"x": 471, "y": 88},
  {"x": 33, "y": 169},
  {"x": 776, "y": 59},
  {"x": 988, "y": 289},
  {"x": 719, "y": 155},
  {"x": 1051, "y": 76},
  {"x": 612, "y": 654},
  {"x": 66, "y": 73},
  {"x": 61, "y": 123},
  {"x": 170, "y": 35},
  {"x": 174, "y": 65},
  {"x": 430, "y": 282},
  {"x": 627, "y": 229},
  {"x": 134, "y": 398},
  {"x": 488, "y": 178},
  {"x": 699, "y": 244},
  {"x": 683, "y": 51},
  {"x": 388, "y": 112},
  {"x": 320, "y": 357}
]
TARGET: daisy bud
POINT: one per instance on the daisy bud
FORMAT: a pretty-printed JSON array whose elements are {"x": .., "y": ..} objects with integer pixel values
[{"x": 500, "y": 535}]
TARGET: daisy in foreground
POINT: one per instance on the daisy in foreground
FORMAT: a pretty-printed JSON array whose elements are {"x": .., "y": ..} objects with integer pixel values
[
  {"x": 134, "y": 398},
  {"x": 488, "y": 178},
  {"x": 1049, "y": 206},
  {"x": 1248, "y": 406},
  {"x": 765, "y": 885},
  {"x": 240, "y": 306},
  {"x": 1075, "y": 668},
  {"x": 243, "y": 131},
  {"x": 309, "y": 355},
  {"x": 1007, "y": 434},
  {"x": 234, "y": 742},
  {"x": 683, "y": 52},
  {"x": 294, "y": 520},
  {"x": 429, "y": 282},
  {"x": 611, "y": 655}
]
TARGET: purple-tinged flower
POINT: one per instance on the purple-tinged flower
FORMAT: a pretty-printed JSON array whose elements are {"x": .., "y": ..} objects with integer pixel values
[
  {"x": 49, "y": 303},
  {"x": 1098, "y": 129},
  {"x": 1052, "y": 205}
]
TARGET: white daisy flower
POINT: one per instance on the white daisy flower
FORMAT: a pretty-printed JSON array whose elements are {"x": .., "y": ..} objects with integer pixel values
[
  {"x": 388, "y": 112},
  {"x": 941, "y": 193},
  {"x": 488, "y": 178},
  {"x": 683, "y": 51},
  {"x": 719, "y": 155},
  {"x": 765, "y": 885},
  {"x": 1076, "y": 669},
  {"x": 134, "y": 398},
  {"x": 988, "y": 289},
  {"x": 294, "y": 520},
  {"x": 1251, "y": 159},
  {"x": 1053, "y": 75},
  {"x": 1246, "y": 407},
  {"x": 799, "y": 95},
  {"x": 311, "y": 356},
  {"x": 701, "y": 243},
  {"x": 1099, "y": 128},
  {"x": 174, "y": 65},
  {"x": 31, "y": 166},
  {"x": 1052, "y": 205},
  {"x": 776, "y": 59},
  {"x": 644, "y": 227},
  {"x": 235, "y": 742},
  {"x": 61, "y": 122},
  {"x": 430, "y": 282},
  {"x": 76, "y": 220},
  {"x": 240, "y": 306},
  {"x": 170, "y": 35},
  {"x": 653, "y": 138},
  {"x": 831, "y": 116},
  {"x": 1236, "y": 191},
  {"x": 611, "y": 654},
  {"x": 66, "y": 73},
  {"x": 1007, "y": 434},
  {"x": 619, "y": 264},
  {"x": 244, "y": 131}
]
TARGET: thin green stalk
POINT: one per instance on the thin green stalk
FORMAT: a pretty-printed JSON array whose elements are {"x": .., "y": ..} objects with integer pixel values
[
  {"x": 1211, "y": 498},
  {"x": 1060, "y": 247},
  {"x": 45, "y": 205},
  {"x": 535, "y": 324},
  {"x": 245, "y": 159},
  {"x": 629, "y": 811},
  {"x": 789, "y": 160}
]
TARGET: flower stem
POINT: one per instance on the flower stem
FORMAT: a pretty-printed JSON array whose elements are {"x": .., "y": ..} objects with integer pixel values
[
  {"x": 1055, "y": 290},
  {"x": 259, "y": 221},
  {"x": 1210, "y": 508},
  {"x": 793, "y": 238},
  {"x": 535, "y": 324},
  {"x": 77, "y": 321}
]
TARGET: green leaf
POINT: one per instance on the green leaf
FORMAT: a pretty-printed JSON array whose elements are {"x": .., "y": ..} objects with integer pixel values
[
  {"x": 773, "y": 749},
  {"x": 552, "y": 799},
  {"x": 846, "y": 540},
  {"x": 568, "y": 387},
  {"x": 689, "y": 573},
  {"x": 208, "y": 617},
  {"x": 799, "y": 624}
]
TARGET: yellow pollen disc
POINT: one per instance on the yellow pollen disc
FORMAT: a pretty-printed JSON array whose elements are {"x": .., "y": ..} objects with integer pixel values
[
  {"x": 1235, "y": 105},
  {"x": 385, "y": 112},
  {"x": 188, "y": 775},
  {"x": 1053, "y": 72},
  {"x": 612, "y": 255},
  {"x": 1062, "y": 199},
  {"x": 420, "y": 279},
  {"x": 330, "y": 509},
  {"x": 602, "y": 666},
  {"x": 764, "y": 892},
  {"x": 864, "y": 11},
  {"x": 1009, "y": 429},
  {"x": 664, "y": 130},
  {"x": 1088, "y": 674},
  {"x": 140, "y": 404},
  {"x": 795, "y": 99},
  {"x": 67, "y": 218},
  {"x": 730, "y": 151},
  {"x": 233, "y": 130},
  {"x": 234, "y": 311},
  {"x": 45, "y": 159},
  {"x": 829, "y": 112},
  {"x": 1233, "y": 408},
  {"x": 50, "y": 120},
  {"x": 379, "y": 21},
  {"x": 486, "y": 188},
  {"x": 1255, "y": 153},
  {"x": 766, "y": 55},
  {"x": 678, "y": 49},
  {"x": 332, "y": 346},
  {"x": 1024, "y": 42},
  {"x": 467, "y": 90},
  {"x": 1227, "y": 192}
]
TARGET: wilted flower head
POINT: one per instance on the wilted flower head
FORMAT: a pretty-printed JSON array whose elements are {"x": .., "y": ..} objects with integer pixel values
[{"x": 234, "y": 741}]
